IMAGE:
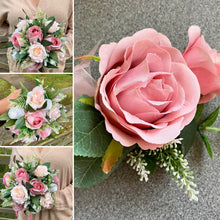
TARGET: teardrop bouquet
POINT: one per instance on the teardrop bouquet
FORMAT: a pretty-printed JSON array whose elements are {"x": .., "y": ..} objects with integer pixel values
[{"x": 145, "y": 106}]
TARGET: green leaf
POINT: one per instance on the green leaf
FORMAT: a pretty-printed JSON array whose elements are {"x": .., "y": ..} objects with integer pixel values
[
  {"x": 88, "y": 171},
  {"x": 52, "y": 94},
  {"x": 10, "y": 123},
  {"x": 4, "y": 117},
  {"x": 45, "y": 30},
  {"x": 46, "y": 43},
  {"x": 35, "y": 200},
  {"x": 6, "y": 195},
  {"x": 188, "y": 134},
  {"x": 47, "y": 165},
  {"x": 151, "y": 163},
  {"x": 63, "y": 114},
  {"x": 112, "y": 154},
  {"x": 36, "y": 81},
  {"x": 207, "y": 144},
  {"x": 25, "y": 89},
  {"x": 210, "y": 119},
  {"x": 88, "y": 57},
  {"x": 19, "y": 123},
  {"x": 199, "y": 111},
  {"x": 29, "y": 186},
  {"x": 7, "y": 45},
  {"x": 7, "y": 203},
  {"x": 54, "y": 56},
  {"x": 90, "y": 136},
  {"x": 50, "y": 66},
  {"x": 27, "y": 17},
  {"x": 87, "y": 101}
]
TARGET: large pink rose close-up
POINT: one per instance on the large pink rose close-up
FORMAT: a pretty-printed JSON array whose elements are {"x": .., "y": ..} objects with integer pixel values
[
  {"x": 146, "y": 92},
  {"x": 56, "y": 43},
  {"x": 16, "y": 40},
  {"x": 38, "y": 187},
  {"x": 21, "y": 175},
  {"x": 34, "y": 34},
  {"x": 205, "y": 64},
  {"x": 34, "y": 120}
]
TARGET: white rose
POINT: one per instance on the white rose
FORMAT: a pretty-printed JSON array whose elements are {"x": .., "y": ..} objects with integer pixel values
[
  {"x": 41, "y": 171},
  {"x": 37, "y": 53},
  {"x": 19, "y": 194},
  {"x": 52, "y": 187},
  {"x": 16, "y": 112},
  {"x": 46, "y": 201}
]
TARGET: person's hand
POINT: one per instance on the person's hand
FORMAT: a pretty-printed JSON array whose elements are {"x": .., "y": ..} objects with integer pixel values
[{"x": 14, "y": 94}]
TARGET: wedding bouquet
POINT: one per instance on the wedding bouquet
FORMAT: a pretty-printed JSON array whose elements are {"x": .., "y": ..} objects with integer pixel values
[
  {"x": 146, "y": 105},
  {"x": 35, "y": 114},
  {"x": 29, "y": 186},
  {"x": 37, "y": 43}
]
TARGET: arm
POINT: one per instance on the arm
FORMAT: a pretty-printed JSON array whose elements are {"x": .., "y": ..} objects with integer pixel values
[{"x": 4, "y": 103}]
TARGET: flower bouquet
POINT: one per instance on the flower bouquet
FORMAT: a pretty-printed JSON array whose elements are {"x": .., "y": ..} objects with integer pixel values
[
  {"x": 37, "y": 43},
  {"x": 36, "y": 114},
  {"x": 29, "y": 186},
  {"x": 146, "y": 105}
]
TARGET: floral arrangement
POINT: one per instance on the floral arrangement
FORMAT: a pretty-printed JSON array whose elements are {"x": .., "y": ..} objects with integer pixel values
[
  {"x": 146, "y": 105},
  {"x": 35, "y": 114},
  {"x": 30, "y": 186},
  {"x": 37, "y": 43}
]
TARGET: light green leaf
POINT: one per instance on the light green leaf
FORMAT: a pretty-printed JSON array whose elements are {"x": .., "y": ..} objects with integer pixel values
[
  {"x": 207, "y": 144},
  {"x": 210, "y": 119},
  {"x": 188, "y": 134},
  {"x": 87, "y": 101},
  {"x": 4, "y": 117},
  {"x": 88, "y": 57},
  {"x": 212, "y": 129},
  {"x": 90, "y": 136},
  {"x": 112, "y": 154},
  {"x": 7, "y": 203}
]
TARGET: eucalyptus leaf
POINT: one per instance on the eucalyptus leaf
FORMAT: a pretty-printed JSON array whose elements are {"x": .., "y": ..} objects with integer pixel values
[
  {"x": 90, "y": 136},
  {"x": 4, "y": 117},
  {"x": 19, "y": 123},
  {"x": 46, "y": 43}
]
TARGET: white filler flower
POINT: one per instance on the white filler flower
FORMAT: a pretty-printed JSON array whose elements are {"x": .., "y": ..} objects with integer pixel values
[{"x": 16, "y": 112}]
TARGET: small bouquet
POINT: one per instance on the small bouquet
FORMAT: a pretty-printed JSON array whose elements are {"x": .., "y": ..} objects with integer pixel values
[
  {"x": 35, "y": 114},
  {"x": 37, "y": 43},
  {"x": 30, "y": 186},
  {"x": 146, "y": 105}
]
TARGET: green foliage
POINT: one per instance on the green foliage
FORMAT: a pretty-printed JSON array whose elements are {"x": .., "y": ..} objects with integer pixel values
[
  {"x": 10, "y": 123},
  {"x": 19, "y": 123},
  {"x": 54, "y": 56},
  {"x": 19, "y": 102},
  {"x": 47, "y": 165},
  {"x": 4, "y": 117},
  {"x": 46, "y": 43},
  {"x": 7, "y": 45},
  {"x": 210, "y": 119},
  {"x": 91, "y": 138},
  {"x": 199, "y": 111},
  {"x": 207, "y": 144},
  {"x": 45, "y": 29},
  {"x": 87, "y": 101}
]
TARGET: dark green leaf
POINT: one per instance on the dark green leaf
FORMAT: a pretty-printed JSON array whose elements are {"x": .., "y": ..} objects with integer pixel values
[
  {"x": 47, "y": 165},
  {"x": 91, "y": 138},
  {"x": 4, "y": 117},
  {"x": 46, "y": 43},
  {"x": 188, "y": 134},
  {"x": 29, "y": 186},
  {"x": 19, "y": 123},
  {"x": 6, "y": 195},
  {"x": 151, "y": 163},
  {"x": 210, "y": 119},
  {"x": 50, "y": 66},
  {"x": 45, "y": 30},
  {"x": 36, "y": 81},
  {"x": 199, "y": 111},
  {"x": 27, "y": 17},
  {"x": 54, "y": 56},
  {"x": 207, "y": 144},
  {"x": 7, "y": 45}
]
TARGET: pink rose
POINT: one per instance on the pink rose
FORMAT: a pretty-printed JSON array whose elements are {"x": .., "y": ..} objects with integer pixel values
[
  {"x": 205, "y": 64},
  {"x": 54, "y": 113},
  {"x": 19, "y": 194},
  {"x": 35, "y": 98},
  {"x": 41, "y": 171},
  {"x": 46, "y": 201},
  {"x": 21, "y": 175},
  {"x": 16, "y": 40},
  {"x": 19, "y": 207},
  {"x": 34, "y": 120},
  {"x": 38, "y": 187},
  {"x": 56, "y": 180},
  {"x": 146, "y": 92},
  {"x": 44, "y": 133},
  {"x": 7, "y": 179},
  {"x": 35, "y": 67},
  {"x": 17, "y": 131},
  {"x": 56, "y": 43},
  {"x": 34, "y": 33}
]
